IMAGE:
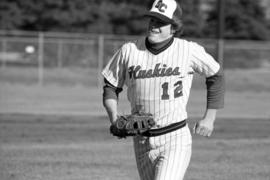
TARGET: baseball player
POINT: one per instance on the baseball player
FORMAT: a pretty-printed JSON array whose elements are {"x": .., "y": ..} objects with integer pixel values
[{"x": 158, "y": 72}]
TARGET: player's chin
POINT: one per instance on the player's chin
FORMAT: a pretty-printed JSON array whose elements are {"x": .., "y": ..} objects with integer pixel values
[{"x": 153, "y": 37}]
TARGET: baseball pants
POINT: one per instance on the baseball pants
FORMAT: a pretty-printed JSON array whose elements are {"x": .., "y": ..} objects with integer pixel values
[{"x": 164, "y": 157}]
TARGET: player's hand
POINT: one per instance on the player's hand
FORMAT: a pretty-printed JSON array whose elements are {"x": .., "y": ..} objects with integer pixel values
[{"x": 204, "y": 128}]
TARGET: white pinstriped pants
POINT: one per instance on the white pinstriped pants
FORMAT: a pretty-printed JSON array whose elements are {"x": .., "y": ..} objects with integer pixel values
[{"x": 164, "y": 157}]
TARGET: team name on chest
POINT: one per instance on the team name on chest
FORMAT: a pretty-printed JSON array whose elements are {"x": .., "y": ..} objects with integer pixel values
[{"x": 137, "y": 72}]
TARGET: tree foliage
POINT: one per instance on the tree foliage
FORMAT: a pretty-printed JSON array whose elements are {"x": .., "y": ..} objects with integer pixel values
[{"x": 245, "y": 19}]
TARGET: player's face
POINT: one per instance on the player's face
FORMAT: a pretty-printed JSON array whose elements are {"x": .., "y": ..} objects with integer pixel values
[{"x": 158, "y": 31}]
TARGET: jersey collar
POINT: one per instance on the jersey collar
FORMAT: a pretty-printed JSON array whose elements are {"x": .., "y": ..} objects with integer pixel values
[{"x": 158, "y": 47}]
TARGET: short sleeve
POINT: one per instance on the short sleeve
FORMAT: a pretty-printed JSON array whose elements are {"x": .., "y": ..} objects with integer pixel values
[
  {"x": 202, "y": 62},
  {"x": 114, "y": 71}
]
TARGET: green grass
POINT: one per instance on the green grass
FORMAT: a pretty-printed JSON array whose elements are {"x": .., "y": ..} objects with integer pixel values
[{"x": 80, "y": 147}]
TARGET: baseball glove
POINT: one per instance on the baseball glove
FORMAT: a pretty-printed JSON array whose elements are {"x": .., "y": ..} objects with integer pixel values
[{"x": 132, "y": 125}]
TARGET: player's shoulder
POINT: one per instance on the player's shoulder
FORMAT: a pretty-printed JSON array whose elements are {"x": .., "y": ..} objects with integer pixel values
[{"x": 133, "y": 44}]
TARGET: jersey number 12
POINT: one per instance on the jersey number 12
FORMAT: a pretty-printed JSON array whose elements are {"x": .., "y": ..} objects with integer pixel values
[{"x": 178, "y": 87}]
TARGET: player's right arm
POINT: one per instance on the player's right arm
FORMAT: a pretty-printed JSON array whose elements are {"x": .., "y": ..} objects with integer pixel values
[
  {"x": 114, "y": 77},
  {"x": 110, "y": 99},
  {"x": 111, "y": 108}
]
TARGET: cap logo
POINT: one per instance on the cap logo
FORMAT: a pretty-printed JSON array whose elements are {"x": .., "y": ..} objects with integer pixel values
[{"x": 161, "y": 6}]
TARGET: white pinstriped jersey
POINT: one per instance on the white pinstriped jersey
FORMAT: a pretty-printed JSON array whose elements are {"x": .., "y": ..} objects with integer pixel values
[{"x": 159, "y": 84}]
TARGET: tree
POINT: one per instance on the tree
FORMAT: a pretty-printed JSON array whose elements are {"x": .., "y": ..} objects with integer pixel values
[
  {"x": 244, "y": 19},
  {"x": 10, "y": 14},
  {"x": 192, "y": 18}
]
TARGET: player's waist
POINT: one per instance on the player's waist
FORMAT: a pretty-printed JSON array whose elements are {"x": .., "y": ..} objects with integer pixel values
[
  {"x": 164, "y": 130},
  {"x": 163, "y": 117},
  {"x": 169, "y": 118}
]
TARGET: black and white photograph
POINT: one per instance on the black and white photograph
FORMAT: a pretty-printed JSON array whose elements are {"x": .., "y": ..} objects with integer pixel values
[{"x": 134, "y": 90}]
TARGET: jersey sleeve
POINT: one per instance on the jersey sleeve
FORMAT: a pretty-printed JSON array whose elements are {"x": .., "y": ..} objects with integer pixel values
[
  {"x": 109, "y": 91},
  {"x": 202, "y": 62},
  {"x": 114, "y": 71},
  {"x": 215, "y": 90}
]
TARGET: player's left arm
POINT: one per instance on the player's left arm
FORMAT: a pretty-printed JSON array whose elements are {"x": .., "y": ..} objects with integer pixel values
[
  {"x": 215, "y": 100},
  {"x": 204, "y": 64}
]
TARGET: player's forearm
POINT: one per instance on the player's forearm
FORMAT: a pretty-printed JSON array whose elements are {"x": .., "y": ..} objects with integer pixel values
[
  {"x": 111, "y": 108},
  {"x": 110, "y": 98},
  {"x": 210, "y": 115},
  {"x": 205, "y": 126}
]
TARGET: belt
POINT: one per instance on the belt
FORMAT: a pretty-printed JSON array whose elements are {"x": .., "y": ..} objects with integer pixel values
[{"x": 165, "y": 130}]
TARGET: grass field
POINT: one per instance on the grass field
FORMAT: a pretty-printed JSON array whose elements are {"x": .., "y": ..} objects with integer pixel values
[
  {"x": 80, "y": 148},
  {"x": 59, "y": 131}
]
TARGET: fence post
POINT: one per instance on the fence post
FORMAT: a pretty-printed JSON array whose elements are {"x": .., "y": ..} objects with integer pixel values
[
  {"x": 59, "y": 54},
  {"x": 4, "y": 50},
  {"x": 220, "y": 51},
  {"x": 220, "y": 31},
  {"x": 100, "y": 59},
  {"x": 40, "y": 58}
]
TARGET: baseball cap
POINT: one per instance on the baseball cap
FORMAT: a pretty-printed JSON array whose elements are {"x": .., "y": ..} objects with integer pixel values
[{"x": 165, "y": 10}]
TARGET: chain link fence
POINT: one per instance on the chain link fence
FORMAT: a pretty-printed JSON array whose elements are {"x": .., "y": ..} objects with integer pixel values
[{"x": 66, "y": 57}]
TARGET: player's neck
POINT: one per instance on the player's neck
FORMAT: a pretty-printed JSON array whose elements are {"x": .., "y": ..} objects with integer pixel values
[{"x": 156, "y": 48}]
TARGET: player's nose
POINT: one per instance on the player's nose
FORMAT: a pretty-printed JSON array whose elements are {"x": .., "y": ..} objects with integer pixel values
[
  {"x": 156, "y": 23},
  {"x": 153, "y": 23}
]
